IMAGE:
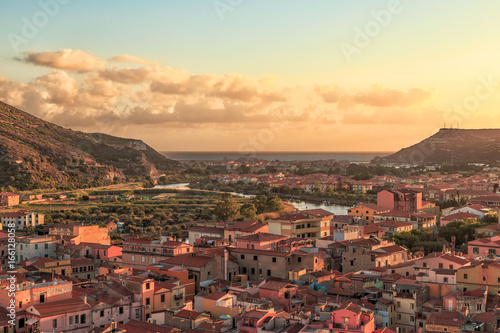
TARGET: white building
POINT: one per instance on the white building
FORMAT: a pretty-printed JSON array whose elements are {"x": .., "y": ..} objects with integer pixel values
[
  {"x": 35, "y": 246},
  {"x": 22, "y": 219}
]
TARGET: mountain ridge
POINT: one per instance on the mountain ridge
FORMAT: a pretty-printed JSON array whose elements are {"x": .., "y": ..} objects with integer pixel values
[
  {"x": 38, "y": 154},
  {"x": 450, "y": 146}
]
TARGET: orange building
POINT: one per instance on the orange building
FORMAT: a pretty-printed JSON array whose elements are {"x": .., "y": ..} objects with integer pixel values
[{"x": 367, "y": 211}]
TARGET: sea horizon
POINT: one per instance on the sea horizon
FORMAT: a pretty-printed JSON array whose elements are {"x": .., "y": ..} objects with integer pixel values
[{"x": 352, "y": 156}]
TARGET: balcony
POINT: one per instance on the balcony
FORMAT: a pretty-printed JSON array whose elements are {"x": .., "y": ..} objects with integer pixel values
[{"x": 178, "y": 297}]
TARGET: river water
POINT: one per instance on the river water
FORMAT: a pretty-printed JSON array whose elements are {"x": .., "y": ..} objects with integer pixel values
[{"x": 336, "y": 209}]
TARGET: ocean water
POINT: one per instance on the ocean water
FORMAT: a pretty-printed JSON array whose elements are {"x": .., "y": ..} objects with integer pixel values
[{"x": 273, "y": 156}]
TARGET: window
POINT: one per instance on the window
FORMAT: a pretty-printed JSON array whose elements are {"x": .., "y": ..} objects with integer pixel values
[
  {"x": 153, "y": 260},
  {"x": 424, "y": 264},
  {"x": 399, "y": 316},
  {"x": 274, "y": 260},
  {"x": 451, "y": 266},
  {"x": 244, "y": 270},
  {"x": 445, "y": 280},
  {"x": 120, "y": 309},
  {"x": 399, "y": 304},
  {"x": 484, "y": 278},
  {"x": 148, "y": 285},
  {"x": 412, "y": 318},
  {"x": 162, "y": 298},
  {"x": 412, "y": 306},
  {"x": 465, "y": 276},
  {"x": 20, "y": 304},
  {"x": 132, "y": 258},
  {"x": 478, "y": 307},
  {"x": 299, "y": 259},
  {"x": 475, "y": 250},
  {"x": 143, "y": 259},
  {"x": 54, "y": 323},
  {"x": 148, "y": 301},
  {"x": 253, "y": 270},
  {"x": 77, "y": 319},
  {"x": 70, "y": 320},
  {"x": 101, "y": 314},
  {"x": 36, "y": 246},
  {"x": 242, "y": 256},
  {"x": 46, "y": 246},
  {"x": 440, "y": 265},
  {"x": 137, "y": 314},
  {"x": 83, "y": 319},
  {"x": 254, "y": 257},
  {"x": 268, "y": 272},
  {"x": 42, "y": 298},
  {"x": 492, "y": 251}
]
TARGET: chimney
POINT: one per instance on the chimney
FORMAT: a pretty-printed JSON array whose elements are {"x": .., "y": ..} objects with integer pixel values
[{"x": 84, "y": 297}]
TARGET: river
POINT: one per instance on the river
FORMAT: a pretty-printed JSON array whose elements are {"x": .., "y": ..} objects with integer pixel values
[{"x": 336, "y": 209}]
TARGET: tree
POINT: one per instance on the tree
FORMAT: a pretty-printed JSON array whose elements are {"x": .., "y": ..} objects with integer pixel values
[
  {"x": 102, "y": 225},
  {"x": 227, "y": 209},
  {"x": 248, "y": 211},
  {"x": 274, "y": 204}
]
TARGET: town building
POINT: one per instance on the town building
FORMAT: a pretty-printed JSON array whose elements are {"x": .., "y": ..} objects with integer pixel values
[
  {"x": 367, "y": 211},
  {"x": 22, "y": 219},
  {"x": 140, "y": 253},
  {"x": 8, "y": 199},
  {"x": 311, "y": 224},
  {"x": 400, "y": 199}
]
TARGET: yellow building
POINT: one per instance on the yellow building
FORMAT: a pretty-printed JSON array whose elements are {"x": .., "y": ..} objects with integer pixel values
[
  {"x": 480, "y": 274},
  {"x": 312, "y": 224}
]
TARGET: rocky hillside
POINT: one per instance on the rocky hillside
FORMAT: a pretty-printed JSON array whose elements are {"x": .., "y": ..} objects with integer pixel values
[
  {"x": 451, "y": 146},
  {"x": 38, "y": 154}
]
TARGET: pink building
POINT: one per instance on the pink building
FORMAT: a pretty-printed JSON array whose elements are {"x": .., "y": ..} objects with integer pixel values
[
  {"x": 70, "y": 315},
  {"x": 400, "y": 199},
  {"x": 352, "y": 318},
  {"x": 106, "y": 252},
  {"x": 281, "y": 292},
  {"x": 484, "y": 246},
  {"x": 254, "y": 320}
]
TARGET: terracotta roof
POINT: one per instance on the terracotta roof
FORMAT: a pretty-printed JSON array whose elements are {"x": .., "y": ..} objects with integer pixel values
[
  {"x": 393, "y": 224},
  {"x": 485, "y": 317},
  {"x": 241, "y": 225},
  {"x": 19, "y": 213},
  {"x": 276, "y": 285},
  {"x": 216, "y": 295},
  {"x": 261, "y": 237},
  {"x": 187, "y": 314},
  {"x": 372, "y": 207},
  {"x": 255, "y": 314},
  {"x": 144, "y": 327},
  {"x": 60, "y": 307},
  {"x": 188, "y": 260},
  {"x": 445, "y": 318},
  {"x": 81, "y": 261},
  {"x": 459, "y": 216},
  {"x": 261, "y": 252}
]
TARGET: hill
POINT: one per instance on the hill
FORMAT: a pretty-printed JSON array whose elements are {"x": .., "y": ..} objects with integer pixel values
[
  {"x": 35, "y": 154},
  {"x": 450, "y": 146}
]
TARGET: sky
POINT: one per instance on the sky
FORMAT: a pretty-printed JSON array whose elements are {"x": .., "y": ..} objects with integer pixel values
[{"x": 241, "y": 75}]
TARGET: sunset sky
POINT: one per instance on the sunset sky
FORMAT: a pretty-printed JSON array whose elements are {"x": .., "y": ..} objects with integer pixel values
[{"x": 236, "y": 75}]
